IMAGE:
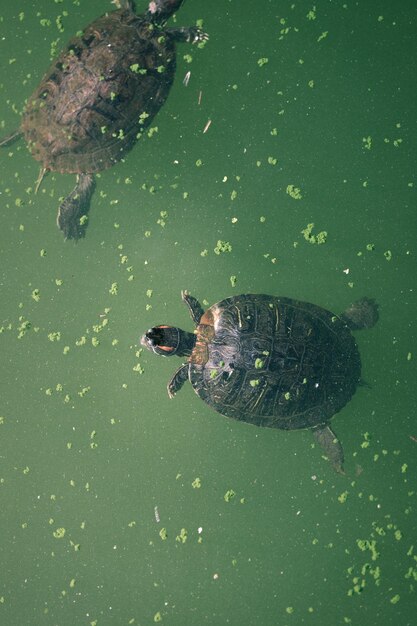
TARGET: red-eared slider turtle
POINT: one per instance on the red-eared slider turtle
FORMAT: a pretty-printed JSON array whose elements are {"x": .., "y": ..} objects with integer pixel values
[
  {"x": 270, "y": 361},
  {"x": 99, "y": 95}
]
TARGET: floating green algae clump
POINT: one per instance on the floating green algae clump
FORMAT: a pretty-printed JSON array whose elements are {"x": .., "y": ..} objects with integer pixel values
[
  {"x": 182, "y": 537},
  {"x": 222, "y": 246},
  {"x": 229, "y": 495},
  {"x": 294, "y": 192},
  {"x": 343, "y": 497},
  {"x": 163, "y": 534},
  {"x": 262, "y": 61},
  {"x": 366, "y": 544},
  {"x": 320, "y": 238}
]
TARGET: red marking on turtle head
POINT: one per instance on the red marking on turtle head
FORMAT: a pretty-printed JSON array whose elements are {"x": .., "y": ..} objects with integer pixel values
[{"x": 166, "y": 348}]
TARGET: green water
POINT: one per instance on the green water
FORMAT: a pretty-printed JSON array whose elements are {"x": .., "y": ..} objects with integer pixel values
[{"x": 90, "y": 442}]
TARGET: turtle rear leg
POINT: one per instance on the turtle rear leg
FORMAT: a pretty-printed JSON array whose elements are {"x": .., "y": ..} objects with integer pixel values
[
  {"x": 186, "y": 35},
  {"x": 361, "y": 314},
  {"x": 194, "y": 307},
  {"x": 11, "y": 138},
  {"x": 177, "y": 381},
  {"x": 72, "y": 213},
  {"x": 331, "y": 446}
]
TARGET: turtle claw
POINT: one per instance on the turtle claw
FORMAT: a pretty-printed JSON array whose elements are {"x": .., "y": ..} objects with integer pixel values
[
  {"x": 198, "y": 35},
  {"x": 177, "y": 381},
  {"x": 194, "y": 307}
]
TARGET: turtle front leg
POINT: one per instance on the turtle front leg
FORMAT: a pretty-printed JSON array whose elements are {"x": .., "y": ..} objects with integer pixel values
[
  {"x": 177, "y": 381},
  {"x": 361, "y": 314},
  {"x": 194, "y": 307},
  {"x": 72, "y": 213},
  {"x": 187, "y": 35},
  {"x": 331, "y": 446}
]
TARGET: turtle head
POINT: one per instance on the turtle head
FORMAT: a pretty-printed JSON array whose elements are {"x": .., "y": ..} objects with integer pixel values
[
  {"x": 168, "y": 340},
  {"x": 160, "y": 11}
]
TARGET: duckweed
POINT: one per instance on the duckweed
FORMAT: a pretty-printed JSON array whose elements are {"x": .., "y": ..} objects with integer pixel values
[
  {"x": 222, "y": 246},
  {"x": 163, "y": 534},
  {"x": 294, "y": 192},
  {"x": 229, "y": 495},
  {"x": 343, "y": 497},
  {"x": 318, "y": 239},
  {"x": 182, "y": 537}
]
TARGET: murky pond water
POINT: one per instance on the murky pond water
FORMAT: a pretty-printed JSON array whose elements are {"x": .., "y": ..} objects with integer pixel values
[{"x": 121, "y": 506}]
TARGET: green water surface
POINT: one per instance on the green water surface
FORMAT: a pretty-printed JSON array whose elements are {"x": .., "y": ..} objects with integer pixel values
[{"x": 120, "y": 506}]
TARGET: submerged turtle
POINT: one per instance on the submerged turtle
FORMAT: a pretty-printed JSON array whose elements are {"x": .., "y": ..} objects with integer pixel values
[
  {"x": 99, "y": 95},
  {"x": 270, "y": 361}
]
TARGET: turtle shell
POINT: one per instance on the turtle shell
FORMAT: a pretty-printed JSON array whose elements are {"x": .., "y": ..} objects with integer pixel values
[
  {"x": 100, "y": 94},
  {"x": 274, "y": 362}
]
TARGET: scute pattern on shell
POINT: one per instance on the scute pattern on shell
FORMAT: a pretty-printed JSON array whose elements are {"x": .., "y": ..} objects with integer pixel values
[
  {"x": 276, "y": 362},
  {"x": 90, "y": 106}
]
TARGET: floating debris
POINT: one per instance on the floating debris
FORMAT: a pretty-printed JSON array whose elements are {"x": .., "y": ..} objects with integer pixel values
[{"x": 207, "y": 126}]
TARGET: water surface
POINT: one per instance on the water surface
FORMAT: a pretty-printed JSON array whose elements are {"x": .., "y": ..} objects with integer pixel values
[{"x": 313, "y": 121}]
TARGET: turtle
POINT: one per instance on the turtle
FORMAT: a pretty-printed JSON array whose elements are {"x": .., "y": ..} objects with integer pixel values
[
  {"x": 270, "y": 361},
  {"x": 98, "y": 97}
]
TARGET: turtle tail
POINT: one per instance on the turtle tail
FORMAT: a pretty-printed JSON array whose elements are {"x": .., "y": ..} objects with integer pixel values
[
  {"x": 72, "y": 213},
  {"x": 361, "y": 314},
  {"x": 331, "y": 446}
]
